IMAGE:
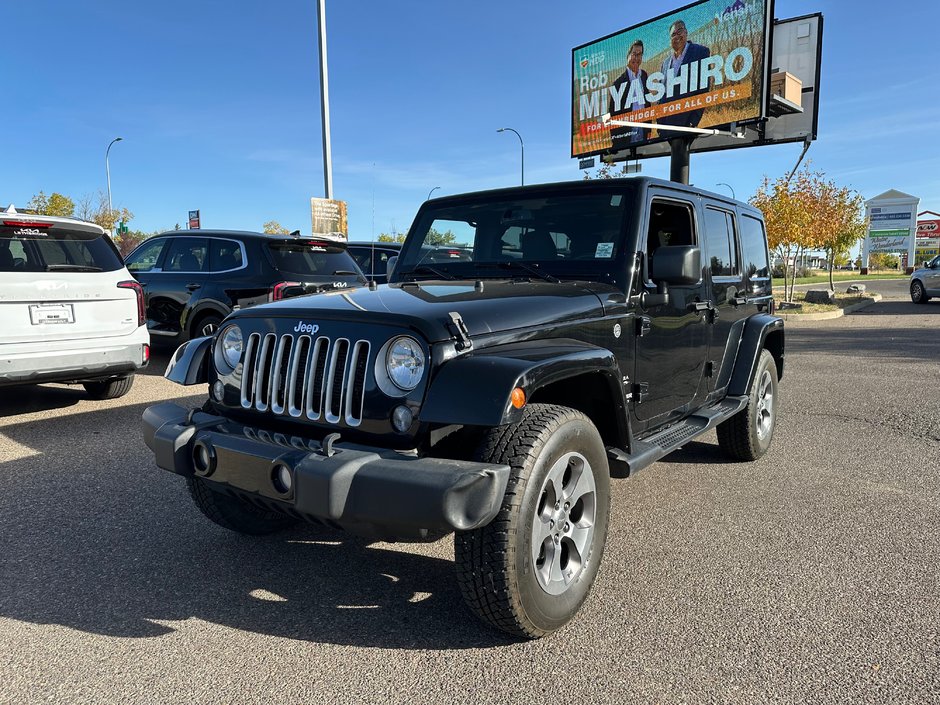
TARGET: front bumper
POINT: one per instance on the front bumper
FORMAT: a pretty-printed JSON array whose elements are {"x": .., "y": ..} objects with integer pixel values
[{"x": 369, "y": 491}]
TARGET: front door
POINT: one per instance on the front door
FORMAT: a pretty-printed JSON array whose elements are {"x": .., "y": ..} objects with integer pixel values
[{"x": 671, "y": 337}]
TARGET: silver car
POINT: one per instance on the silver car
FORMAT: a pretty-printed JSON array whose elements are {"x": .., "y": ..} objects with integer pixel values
[{"x": 925, "y": 282}]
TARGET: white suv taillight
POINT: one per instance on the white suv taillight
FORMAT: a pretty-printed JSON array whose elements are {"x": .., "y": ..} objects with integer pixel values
[{"x": 141, "y": 306}]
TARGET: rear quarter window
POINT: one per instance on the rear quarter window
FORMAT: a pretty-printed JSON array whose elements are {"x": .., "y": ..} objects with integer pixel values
[{"x": 59, "y": 249}]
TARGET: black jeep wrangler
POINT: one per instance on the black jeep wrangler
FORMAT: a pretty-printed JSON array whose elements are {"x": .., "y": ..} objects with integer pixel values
[{"x": 595, "y": 327}]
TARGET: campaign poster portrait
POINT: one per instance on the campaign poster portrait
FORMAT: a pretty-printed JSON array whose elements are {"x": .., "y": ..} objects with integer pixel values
[{"x": 703, "y": 65}]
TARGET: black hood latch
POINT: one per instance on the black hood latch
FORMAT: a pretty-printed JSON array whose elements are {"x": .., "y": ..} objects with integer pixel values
[{"x": 459, "y": 332}]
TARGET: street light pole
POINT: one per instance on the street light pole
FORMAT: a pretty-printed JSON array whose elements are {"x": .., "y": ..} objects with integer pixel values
[
  {"x": 430, "y": 192},
  {"x": 325, "y": 102},
  {"x": 107, "y": 167},
  {"x": 730, "y": 187},
  {"x": 521, "y": 146}
]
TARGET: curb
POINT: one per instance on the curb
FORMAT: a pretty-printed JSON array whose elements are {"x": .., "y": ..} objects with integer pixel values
[{"x": 829, "y": 315}]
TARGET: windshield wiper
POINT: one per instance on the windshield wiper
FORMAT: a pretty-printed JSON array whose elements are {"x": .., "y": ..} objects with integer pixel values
[
  {"x": 344, "y": 271},
  {"x": 516, "y": 264},
  {"x": 428, "y": 268},
  {"x": 72, "y": 268}
]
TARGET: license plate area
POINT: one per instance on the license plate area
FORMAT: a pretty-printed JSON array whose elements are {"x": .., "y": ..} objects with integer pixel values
[{"x": 51, "y": 314}]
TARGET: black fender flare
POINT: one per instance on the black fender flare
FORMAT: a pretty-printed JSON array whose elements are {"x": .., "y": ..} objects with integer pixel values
[
  {"x": 190, "y": 363},
  {"x": 760, "y": 331},
  {"x": 475, "y": 389}
]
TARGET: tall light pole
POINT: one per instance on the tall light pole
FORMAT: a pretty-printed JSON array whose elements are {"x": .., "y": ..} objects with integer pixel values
[
  {"x": 522, "y": 147},
  {"x": 430, "y": 192},
  {"x": 107, "y": 167},
  {"x": 730, "y": 187},
  {"x": 325, "y": 102}
]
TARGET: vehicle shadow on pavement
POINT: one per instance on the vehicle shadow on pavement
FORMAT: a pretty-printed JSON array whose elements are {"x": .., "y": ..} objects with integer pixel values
[
  {"x": 32, "y": 398},
  {"x": 94, "y": 537}
]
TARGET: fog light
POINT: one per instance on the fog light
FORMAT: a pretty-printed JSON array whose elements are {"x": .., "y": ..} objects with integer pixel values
[
  {"x": 218, "y": 390},
  {"x": 203, "y": 459},
  {"x": 282, "y": 478},
  {"x": 402, "y": 418}
]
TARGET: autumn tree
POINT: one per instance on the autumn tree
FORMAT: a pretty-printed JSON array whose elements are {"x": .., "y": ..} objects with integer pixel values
[
  {"x": 272, "y": 227},
  {"x": 55, "y": 204}
]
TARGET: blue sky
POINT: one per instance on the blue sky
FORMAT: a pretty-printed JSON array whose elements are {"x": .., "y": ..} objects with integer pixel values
[{"x": 218, "y": 103}]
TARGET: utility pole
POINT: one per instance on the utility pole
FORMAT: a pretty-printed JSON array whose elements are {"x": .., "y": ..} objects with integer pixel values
[{"x": 325, "y": 101}]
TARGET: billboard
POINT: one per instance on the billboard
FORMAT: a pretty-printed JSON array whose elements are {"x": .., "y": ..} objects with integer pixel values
[
  {"x": 329, "y": 218},
  {"x": 194, "y": 220},
  {"x": 704, "y": 65}
]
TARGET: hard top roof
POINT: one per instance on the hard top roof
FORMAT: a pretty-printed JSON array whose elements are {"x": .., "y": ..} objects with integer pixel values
[{"x": 249, "y": 235}]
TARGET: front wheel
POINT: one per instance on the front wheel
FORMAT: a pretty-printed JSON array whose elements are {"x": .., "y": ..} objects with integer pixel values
[
  {"x": 747, "y": 434},
  {"x": 531, "y": 568},
  {"x": 918, "y": 293}
]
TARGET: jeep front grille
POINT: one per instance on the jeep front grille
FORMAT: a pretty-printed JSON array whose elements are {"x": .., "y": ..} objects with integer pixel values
[{"x": 300, "y": 376}]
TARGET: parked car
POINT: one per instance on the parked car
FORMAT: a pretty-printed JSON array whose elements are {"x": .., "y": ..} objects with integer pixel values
[
  {"x": 585, "y": 330},
  {"x": 925, "y": 281},
  {"x": 373, "y": 257},
  {"x": 193, "y": 279},
  {"x": 70, "y": 311}
]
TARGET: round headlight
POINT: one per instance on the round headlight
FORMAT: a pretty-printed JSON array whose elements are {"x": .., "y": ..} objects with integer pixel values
[
  {"x": 405, "y": 363},
  {"x": 230, "y": 345}
]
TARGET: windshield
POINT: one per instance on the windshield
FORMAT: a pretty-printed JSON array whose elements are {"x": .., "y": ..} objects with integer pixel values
[
  {"x": 56, "y": 249},
  {"x": 313, "y": 258},
  {"x": 563, "y": 234}
]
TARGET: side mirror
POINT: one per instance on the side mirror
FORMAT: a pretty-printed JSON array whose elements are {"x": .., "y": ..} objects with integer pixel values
[
  {"x": 390, "y": 265},
  {"x": 678, "y": 265}
]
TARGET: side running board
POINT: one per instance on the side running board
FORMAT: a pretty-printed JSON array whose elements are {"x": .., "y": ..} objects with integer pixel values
[{"x": 662, "y": 443}]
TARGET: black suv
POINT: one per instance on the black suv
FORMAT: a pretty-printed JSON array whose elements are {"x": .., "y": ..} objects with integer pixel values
[
  {"x": 596, "y": 326},
  {"x": 373, "y": 258},
  {"x": 193, "y": 279}
]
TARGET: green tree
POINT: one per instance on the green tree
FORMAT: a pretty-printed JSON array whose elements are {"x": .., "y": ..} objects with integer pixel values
[
  {"x": 392, "y": 237},
  {"x": 436, "y": 237},
  {"x": 272, "y": 227}
]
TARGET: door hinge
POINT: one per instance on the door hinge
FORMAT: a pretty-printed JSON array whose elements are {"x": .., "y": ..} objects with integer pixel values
[
  {"x": 640, "y": 391},
  {"x": 644, "y": 324},
  {"x": 710, "y": 368}
]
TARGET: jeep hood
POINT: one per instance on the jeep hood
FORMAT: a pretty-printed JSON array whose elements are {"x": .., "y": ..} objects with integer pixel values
[{"x": 497, "y": 306}]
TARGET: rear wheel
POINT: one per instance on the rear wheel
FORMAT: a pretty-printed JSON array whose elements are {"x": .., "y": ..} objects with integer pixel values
[
  {"x": 747, "y": 434},
  {"x": 918, "y": 293},
  {"x": 206, "y": 326},
  {"x": 109, "y": 388},
  {"x": 234, "y": 513},
  {"x": 531, "y": 568}
]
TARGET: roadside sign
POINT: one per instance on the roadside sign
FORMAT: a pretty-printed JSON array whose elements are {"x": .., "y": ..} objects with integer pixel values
[
  {"x": 194, "y": 220},
  {"x": 329, "y": 218}
]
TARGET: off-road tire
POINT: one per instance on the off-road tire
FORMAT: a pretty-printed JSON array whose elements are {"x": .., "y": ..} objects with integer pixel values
[
  {"x": 233, "y": 513},
  {"x": 495, "y": 566},
  {"x": 742, "y": 436},
  {"x": 109, "y": 388},
  {"x": 918, "y": 292}
]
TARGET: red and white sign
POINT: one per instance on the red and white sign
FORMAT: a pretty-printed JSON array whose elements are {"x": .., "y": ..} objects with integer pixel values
[{"x": 928, "y": 228}]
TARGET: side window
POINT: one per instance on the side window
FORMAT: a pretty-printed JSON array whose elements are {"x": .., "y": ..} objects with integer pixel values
[
  {"x": 145, "y": 257},
  {"x": 671, "y": 225},
  {"x": 754, "y": 249},
  {"x": 720, "y": 249},
  {"x": 224, "y": 255},
  {"x": 186, "y": 254}
]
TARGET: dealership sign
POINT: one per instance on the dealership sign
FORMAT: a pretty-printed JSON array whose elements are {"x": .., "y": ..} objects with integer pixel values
[
  {"x": 329, "y": 218},
  {"x": 701, "y": 66}
]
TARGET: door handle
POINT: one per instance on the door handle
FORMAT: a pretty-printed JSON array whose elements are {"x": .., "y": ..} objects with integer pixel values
[
  {"x": 193, "y": 287},
  {"x": 699, "y": 306},
  {"x": 738, "y": 300}
]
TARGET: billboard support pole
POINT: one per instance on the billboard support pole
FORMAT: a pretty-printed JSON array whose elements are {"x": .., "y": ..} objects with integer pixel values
[
  {"x": 679, "y": 159},
  {"x": 325, "y": 102}
]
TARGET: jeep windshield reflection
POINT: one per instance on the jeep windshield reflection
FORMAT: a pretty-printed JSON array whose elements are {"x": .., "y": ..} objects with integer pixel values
[{"x": 562, "y": 234}]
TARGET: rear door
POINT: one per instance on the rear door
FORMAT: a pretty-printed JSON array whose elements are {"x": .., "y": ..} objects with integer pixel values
[
  {"x": 59, "y": 281},
  {"x": 728, "y": 293}
]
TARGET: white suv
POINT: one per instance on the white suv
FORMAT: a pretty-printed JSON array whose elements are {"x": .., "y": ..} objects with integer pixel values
[{"x": 69, "y": 310}]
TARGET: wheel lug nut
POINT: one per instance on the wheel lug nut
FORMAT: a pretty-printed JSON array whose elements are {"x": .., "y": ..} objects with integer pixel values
[
  {"x": 557, "y": 506},
  {"x": 551, "y": 523},
  {"x": 567, "y": 506},
  {"x": 567, "y": 527}
]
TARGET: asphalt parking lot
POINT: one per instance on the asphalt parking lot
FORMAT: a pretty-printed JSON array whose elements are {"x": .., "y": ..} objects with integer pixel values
[{"x": 809, "y": 576}]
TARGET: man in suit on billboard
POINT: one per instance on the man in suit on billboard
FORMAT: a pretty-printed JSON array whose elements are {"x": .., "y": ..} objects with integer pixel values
[
  {"x": 621, "y": 135},
  {"x": 683, "y": 52}
]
